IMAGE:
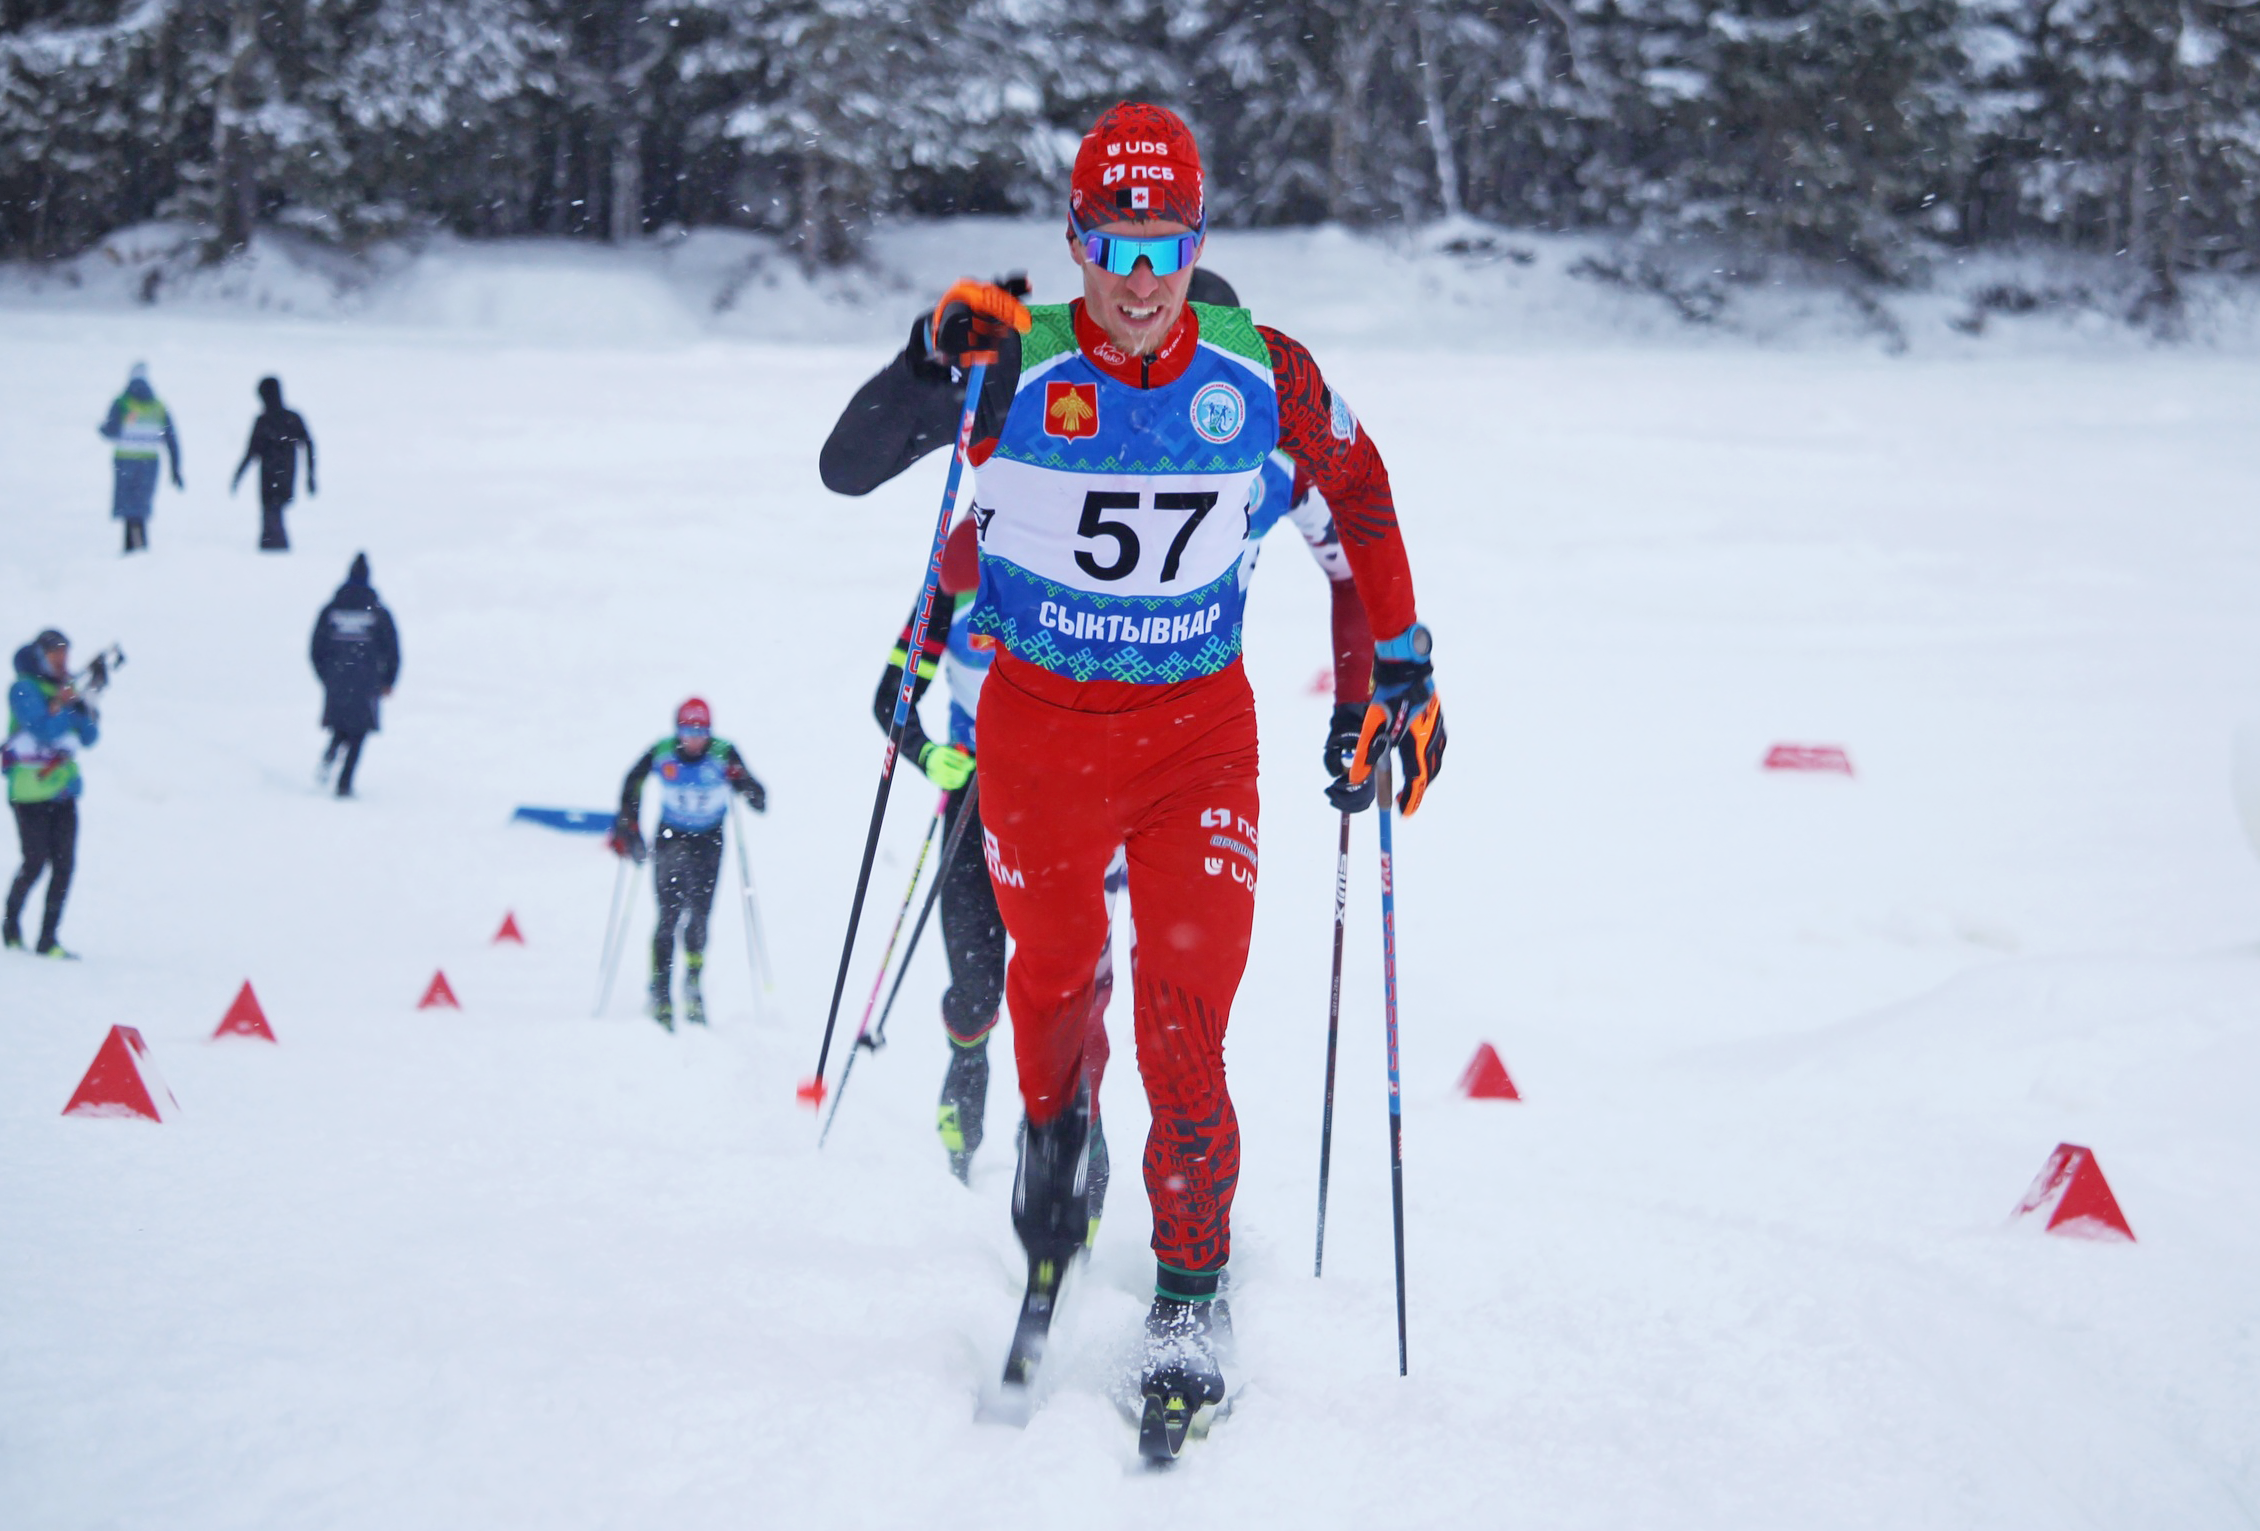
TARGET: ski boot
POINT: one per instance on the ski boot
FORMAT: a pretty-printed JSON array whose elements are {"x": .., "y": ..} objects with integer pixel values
[
  {"x": 12, "y": 938},
  {"x": 965, "y": 1100},
  {"x": 1051, "y": 1213},
  {"x": 55, "y": 950},
  {"x": 1186, "y": 1342},
  {"x": 694, "y": 998},
  {"x": 662, "y": 1002}
]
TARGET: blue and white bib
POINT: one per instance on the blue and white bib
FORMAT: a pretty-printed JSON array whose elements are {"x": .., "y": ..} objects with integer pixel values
[
  {"x": 1112, "y": 518},
  {"x": 693, "y": 794}
]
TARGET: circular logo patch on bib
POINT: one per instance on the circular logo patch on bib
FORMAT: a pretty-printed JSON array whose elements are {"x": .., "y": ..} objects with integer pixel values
[{"x": 1219, "y": 412}]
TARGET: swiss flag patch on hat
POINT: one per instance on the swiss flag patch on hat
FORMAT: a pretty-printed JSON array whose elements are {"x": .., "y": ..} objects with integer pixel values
[{"x": 1139, "y": 164}]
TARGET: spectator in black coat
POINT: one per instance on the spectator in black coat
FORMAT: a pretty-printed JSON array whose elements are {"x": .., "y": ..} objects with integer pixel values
[
  {"x": 357, "y": 654},
  {"x": 276, "y": 436}
]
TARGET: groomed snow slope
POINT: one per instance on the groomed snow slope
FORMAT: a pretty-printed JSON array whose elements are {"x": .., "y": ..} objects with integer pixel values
[{"x": 1792, "y": 1047}]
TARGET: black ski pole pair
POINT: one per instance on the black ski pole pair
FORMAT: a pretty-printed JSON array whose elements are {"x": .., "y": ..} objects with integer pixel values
[
  {"x": 863, "y": 1027},
  {"x": 870, "y": 1038},
  {"x": 1333, "y": 1027},
  {"x": 813, "y": 1090}
]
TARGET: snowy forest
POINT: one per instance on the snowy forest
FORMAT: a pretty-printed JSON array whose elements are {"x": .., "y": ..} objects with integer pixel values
[{"x": 1861, "y": 132}]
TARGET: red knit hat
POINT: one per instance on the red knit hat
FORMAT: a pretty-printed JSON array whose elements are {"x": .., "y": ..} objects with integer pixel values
[
  {"x": 694, "y": 714},
  {"x": 1137, "y": 164}
]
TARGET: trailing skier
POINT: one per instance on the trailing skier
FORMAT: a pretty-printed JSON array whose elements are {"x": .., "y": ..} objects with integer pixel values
[
  {"x": 1285, "y": 491},
  {"x": 1116, "y": 713},
  {"x": 697, "y": 773},
  {"x": 137, "y": 425},
  {"x": 972, "y": 929},
  {"x": 48, "y": 723}
]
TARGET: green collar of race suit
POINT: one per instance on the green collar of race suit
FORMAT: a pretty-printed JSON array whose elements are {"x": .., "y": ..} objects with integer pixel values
[{"x": 1051, "y": 334}]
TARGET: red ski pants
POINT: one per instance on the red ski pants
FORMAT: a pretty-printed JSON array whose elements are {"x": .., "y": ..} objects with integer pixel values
[{"x": 1068, "y": 772}]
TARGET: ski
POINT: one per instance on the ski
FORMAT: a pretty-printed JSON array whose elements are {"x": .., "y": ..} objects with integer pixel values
[
  {"x": 1033, "y": 1330},
  {"x": 1182, "y": 1389},
  {"x": 1168, "y": 1422},
  {"x": 1014, "y": 1398},
  {"x": 1168, "y": 1419}
]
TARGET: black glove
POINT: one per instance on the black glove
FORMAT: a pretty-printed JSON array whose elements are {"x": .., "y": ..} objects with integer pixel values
[
  {"x": 627, "y": 840},
  {"x": 98, "y": 673},
  {"x": 750, "y": 788},
  {"x": 1341, "y": 744}
]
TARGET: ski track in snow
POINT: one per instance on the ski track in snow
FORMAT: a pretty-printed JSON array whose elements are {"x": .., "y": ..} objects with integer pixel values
[{"x": 1791, "y": 1046}]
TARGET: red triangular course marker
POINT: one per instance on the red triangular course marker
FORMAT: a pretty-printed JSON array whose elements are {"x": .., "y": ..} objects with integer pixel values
[
  {"x": 2078, "y": 1200},
  {"x": 509, "y": 930},
  {"x": 245, "y": 1018},
  {"x": 1486, "y": 1077},
  {"x": 1808, "y": 757},
  {"x": 121, "y": 1081},
  {"x": 439, "y": 995}
]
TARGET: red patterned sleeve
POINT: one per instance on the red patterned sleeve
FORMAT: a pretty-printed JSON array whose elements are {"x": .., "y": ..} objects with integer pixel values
[{"x": 1317, "y": 429}]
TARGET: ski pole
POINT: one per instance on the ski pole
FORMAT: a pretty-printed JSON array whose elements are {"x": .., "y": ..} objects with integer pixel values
[
  {"x": 615, "y": 931},
  {"x": 756, "y": 955},
  {"x": 933, "y": 894},
  {"x": 811, "y": 1090},
  {"x": 1333, "y": 1033},
  {"x": 862, "y": 1027},
  {"x": 1396, "y": 1093}
]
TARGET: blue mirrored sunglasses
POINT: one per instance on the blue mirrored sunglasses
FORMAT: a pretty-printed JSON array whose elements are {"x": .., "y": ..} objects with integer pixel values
[{"x": 1120, "y": 254}]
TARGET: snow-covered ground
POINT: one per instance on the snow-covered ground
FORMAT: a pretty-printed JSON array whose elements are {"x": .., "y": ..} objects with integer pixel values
[{"x": 1792, "y": 1047}]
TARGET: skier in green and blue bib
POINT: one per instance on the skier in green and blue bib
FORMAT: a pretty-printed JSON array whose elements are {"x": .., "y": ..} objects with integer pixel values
[{"x": 697, "y": 773}]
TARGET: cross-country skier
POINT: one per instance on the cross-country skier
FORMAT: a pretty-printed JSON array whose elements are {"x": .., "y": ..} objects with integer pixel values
[
  {"x": 1109, "y": 432},
  {"x": 138, "y": 423},
  {"x": 356, "y": 652},
  {"x": 697, "y": 773},
  {"x": 972, "y": 929},
  {"x": 276, "y": 436},
  {"x": 48, "y": 723}
]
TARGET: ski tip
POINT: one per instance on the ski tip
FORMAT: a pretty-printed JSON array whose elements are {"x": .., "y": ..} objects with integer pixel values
[{"x": 810, "y": 1093}]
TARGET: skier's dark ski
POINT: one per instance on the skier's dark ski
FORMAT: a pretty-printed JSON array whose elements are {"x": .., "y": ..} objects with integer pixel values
[
  {"x": 1051, "y": 1211},
  {"x": 1031, "y": 1333}
]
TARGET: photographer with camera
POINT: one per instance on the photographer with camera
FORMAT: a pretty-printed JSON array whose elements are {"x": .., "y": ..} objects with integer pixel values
[{"x": 49, "y": 721}]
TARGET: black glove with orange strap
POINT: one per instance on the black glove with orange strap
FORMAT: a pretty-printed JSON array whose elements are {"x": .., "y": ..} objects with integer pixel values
[
  {"x": 1404, "y": 715},
  {"x": 970, "y": 323}
]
